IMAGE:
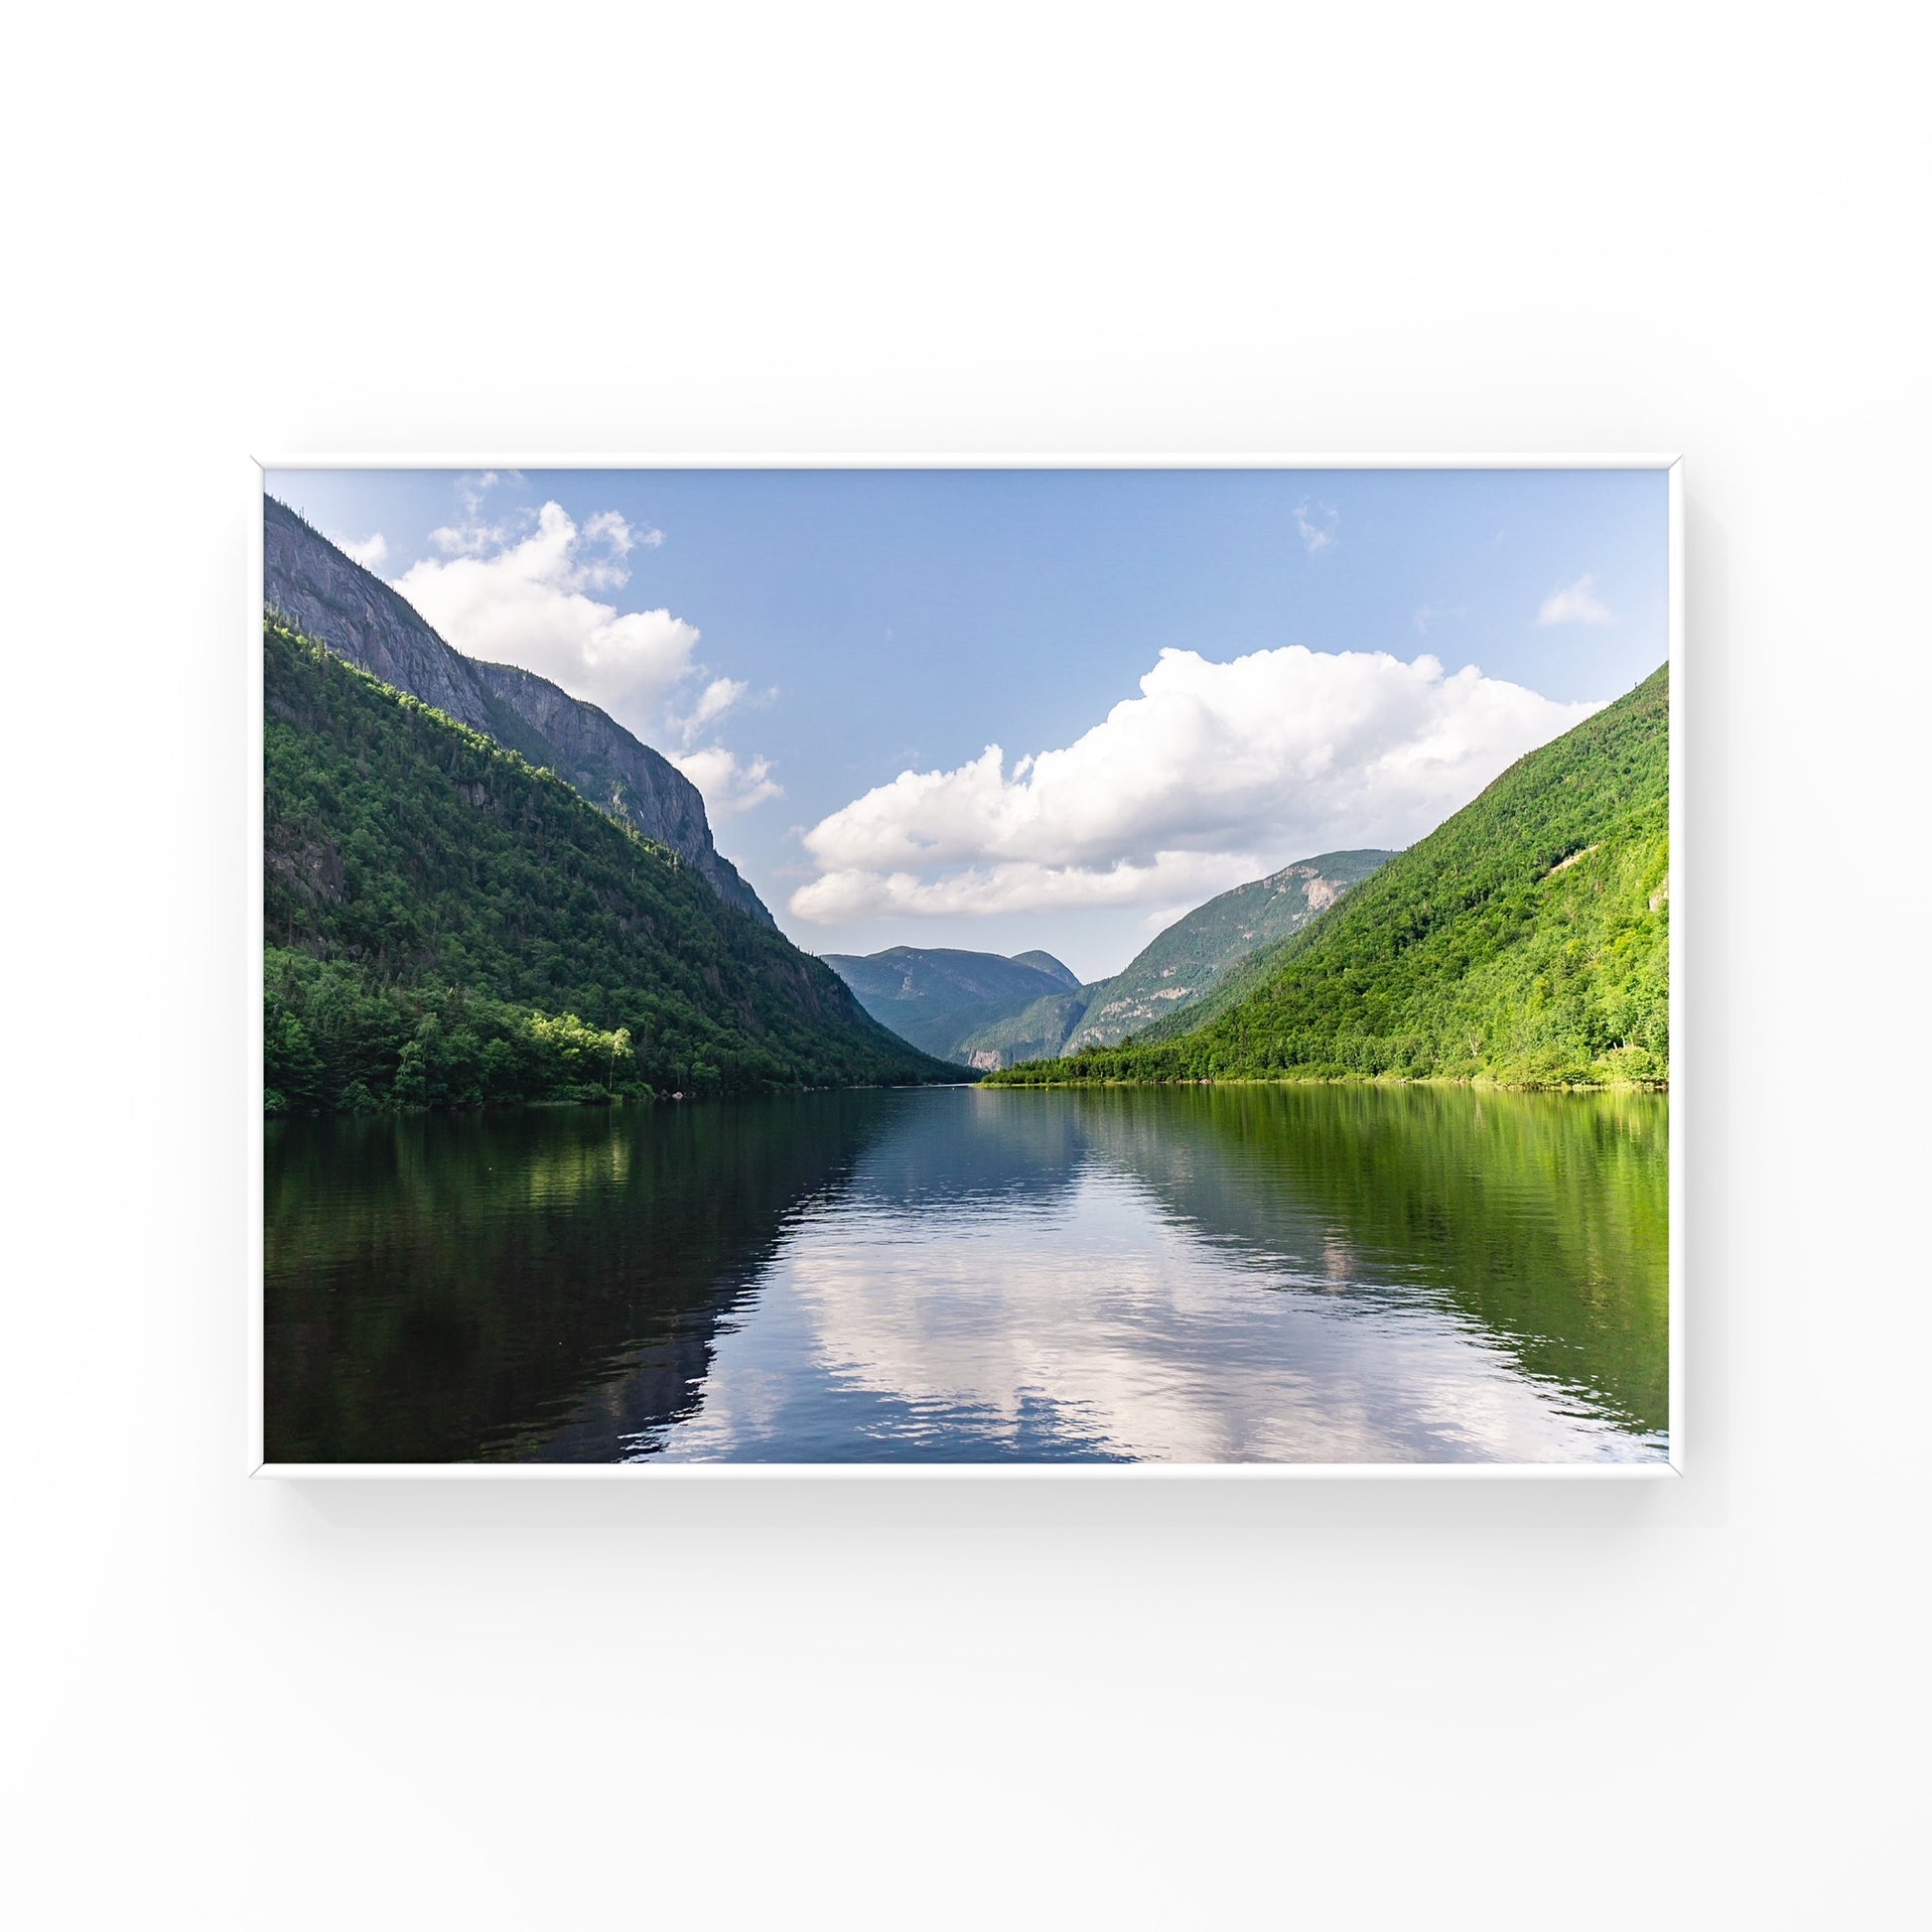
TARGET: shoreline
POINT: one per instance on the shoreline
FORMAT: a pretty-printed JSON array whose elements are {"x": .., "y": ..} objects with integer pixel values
[
  {"x": 1352, "y": 1080},
  {"x": 988, "y": 1084}
]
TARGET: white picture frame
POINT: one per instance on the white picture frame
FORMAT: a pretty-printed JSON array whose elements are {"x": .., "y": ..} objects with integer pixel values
[{"x": 1683, "y": 907}]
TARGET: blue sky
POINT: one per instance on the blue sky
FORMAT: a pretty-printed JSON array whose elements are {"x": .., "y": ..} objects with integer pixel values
[{"x": 799, "y": 639}]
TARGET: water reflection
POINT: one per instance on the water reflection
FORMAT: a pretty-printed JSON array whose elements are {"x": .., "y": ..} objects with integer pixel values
[
  {"x": 1200, "y": 1275},
  {"x": 446, "y": 1288}
]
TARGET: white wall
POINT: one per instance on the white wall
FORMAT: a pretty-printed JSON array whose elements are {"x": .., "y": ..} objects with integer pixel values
[{"x": 888, "y": 228}]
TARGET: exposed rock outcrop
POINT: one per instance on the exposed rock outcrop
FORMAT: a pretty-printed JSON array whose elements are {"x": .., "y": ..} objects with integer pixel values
[{"x": 329, "y": 598}]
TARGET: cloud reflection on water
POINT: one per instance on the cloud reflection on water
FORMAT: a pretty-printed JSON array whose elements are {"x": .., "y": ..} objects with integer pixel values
[{"x": 1002, "y": 1277}]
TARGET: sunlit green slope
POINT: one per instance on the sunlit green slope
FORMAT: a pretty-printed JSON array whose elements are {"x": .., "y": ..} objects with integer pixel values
[{"x": 1526, "y": 940}]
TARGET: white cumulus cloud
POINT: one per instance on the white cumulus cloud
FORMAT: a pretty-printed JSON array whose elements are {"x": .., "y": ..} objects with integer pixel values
[
  {"x": 1215, "y": 773},
  {"x": 531, "y": 597},
  {"x": 1184, "y": 879},
  {"x": 371, "y": 552},
  {"x": 1579, "y": 603},
  {"x": 731, "y": 785},
  {"x": 533, "y": 590}
]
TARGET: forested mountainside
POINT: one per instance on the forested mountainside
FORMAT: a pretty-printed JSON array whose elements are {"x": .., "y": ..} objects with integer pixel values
[
  {"x": 945, "y": 978},
  {"x": 323, "y": 595},
  {"x": 1186, "y": 961},
  {"x": 1525, "y": 940},
  {"x": 1044, "y": 962},
  {"x": 935, "y": 996},
  {"x": 971, "y": 1008},
  {"x": 446, "y": 923},
  {"x": 1037, "y": 1031}
]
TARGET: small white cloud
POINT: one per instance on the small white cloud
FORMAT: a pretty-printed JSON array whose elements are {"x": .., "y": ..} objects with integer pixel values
[
  {"x": 371, "y": 552},
  {"x": 1579, "y": 603},
  {"x": 714, "y": 701},
  {"x": 1320, "y": 526},
  {"x": 610, "y": 527},
  {"x": 476, "y": 539},
  {"x": 731, "y": 787},
  {"x": 474, "y": 485}
]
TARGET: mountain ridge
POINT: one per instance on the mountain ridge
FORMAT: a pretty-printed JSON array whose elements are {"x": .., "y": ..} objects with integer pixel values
[
  {"x": 1185, "y": 960},
  {"x": 446, "y": 923},
  {"x": 1029, "y": 1020},
  {"x": 930, "y": 996},
  {"x": 327, "y": 595}
]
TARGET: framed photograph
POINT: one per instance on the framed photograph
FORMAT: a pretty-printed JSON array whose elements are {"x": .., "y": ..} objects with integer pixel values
[{"x": 1120, "y": 966}]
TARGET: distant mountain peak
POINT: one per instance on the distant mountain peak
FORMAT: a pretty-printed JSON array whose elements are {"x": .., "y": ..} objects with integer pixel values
[
  {"x": 1047, "y": 963},
  {"x": 983, "y": 1011},
  {"x": 933, "y": 995}
]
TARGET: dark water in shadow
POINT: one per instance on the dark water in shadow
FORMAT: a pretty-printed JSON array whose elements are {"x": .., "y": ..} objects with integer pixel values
[{"x": 1196, "y": 1275}]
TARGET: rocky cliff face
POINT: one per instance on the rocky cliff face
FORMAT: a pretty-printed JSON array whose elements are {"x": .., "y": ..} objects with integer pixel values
[
  {"x": 606, "y": 763},
  {"x": 358, "y": 617}
]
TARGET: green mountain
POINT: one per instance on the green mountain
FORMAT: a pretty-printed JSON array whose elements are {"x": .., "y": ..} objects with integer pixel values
[
  {"x": 1047, "y": 964},
  {"x": 1037, "y": 1031},
  {"x": 1178, "y": 969},
  {"x": 447, "y": 923},
  {"x": 318, "y": 592},
  {"x": 935, "y": 996},
  {"x": 1526, "y": 940},
  {"x": 1183, "y": 965}
]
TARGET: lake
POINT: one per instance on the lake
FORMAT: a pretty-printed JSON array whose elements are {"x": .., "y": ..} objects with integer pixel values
[{"x": 1229, "y": 1273}]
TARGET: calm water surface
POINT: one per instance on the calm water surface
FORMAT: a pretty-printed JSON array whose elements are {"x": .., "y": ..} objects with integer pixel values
[{"x": 1193, "y": 1274}]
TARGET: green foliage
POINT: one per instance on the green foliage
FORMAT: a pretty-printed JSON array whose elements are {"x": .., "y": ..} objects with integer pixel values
[
  {"x": 1042, "y": 1027},
  {"x": 981, "y": 1011},
  {"x": 447, "y": 924},
  {"x": 937, "y": 997},
  {"x": 1525, "y": 941},
  {"x": 335, "y": 1038},
  {"x": 1179, "y": 969}
]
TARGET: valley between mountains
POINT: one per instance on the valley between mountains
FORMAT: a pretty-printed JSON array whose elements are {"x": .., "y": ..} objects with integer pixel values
[
  {"x": 478, "y": 888},
  {"x": 988, "y": 1013}
]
